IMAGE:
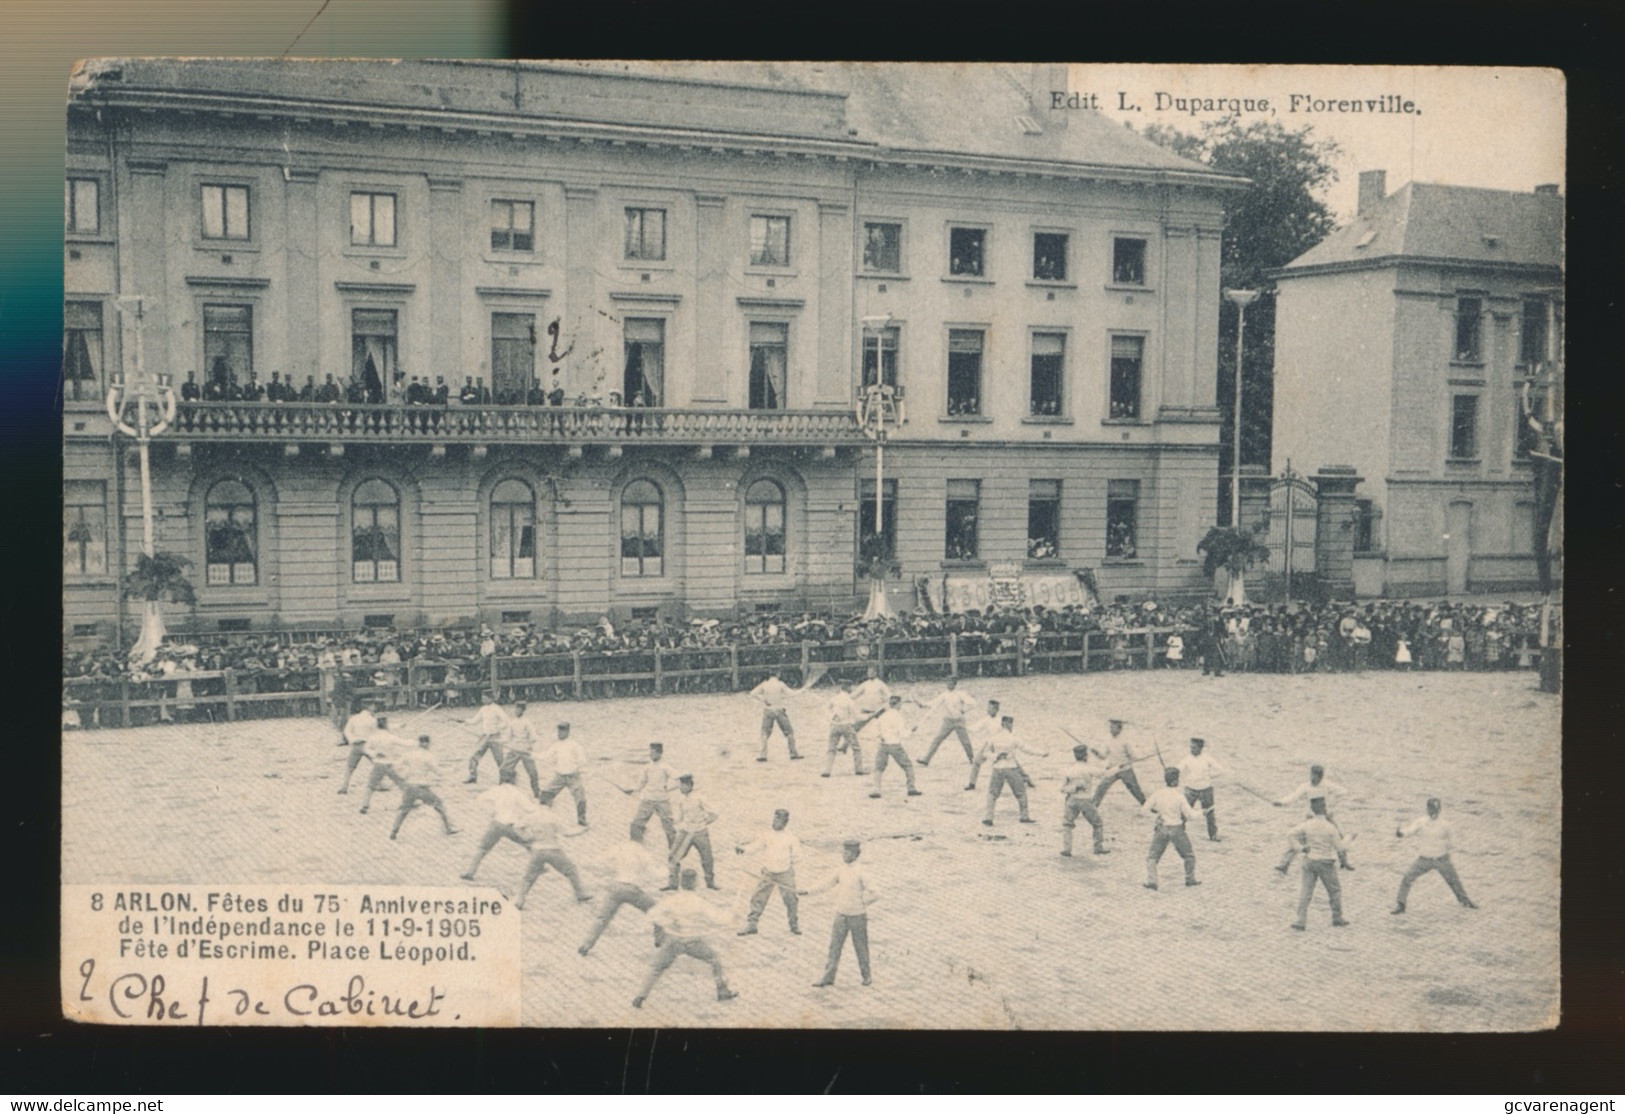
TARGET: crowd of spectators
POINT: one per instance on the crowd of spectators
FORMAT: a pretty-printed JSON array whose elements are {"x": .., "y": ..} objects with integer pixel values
[{"x": 457, "y": 662}]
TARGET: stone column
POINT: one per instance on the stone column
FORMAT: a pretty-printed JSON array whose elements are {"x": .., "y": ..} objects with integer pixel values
[
  {"x": 446, "y": 237},
  {"x": 711, "y": 376},
  {"x": 1335, "y": 512}
]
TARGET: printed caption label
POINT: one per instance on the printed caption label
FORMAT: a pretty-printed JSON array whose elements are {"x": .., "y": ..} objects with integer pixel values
[{"x": 410, "y": 956}]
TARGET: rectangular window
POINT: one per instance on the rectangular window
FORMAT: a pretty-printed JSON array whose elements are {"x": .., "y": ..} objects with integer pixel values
[
  {"x": 883, "y": 247},
  {"x": 225, "y": 213},
  {"x": 1532, "y": 337},
  {"x": 967, "y": 252},
  {"x": 1043, "y": 519},
  {"x": 646, "y": 234},
  {"x": 1048, "y": 367},
  {"x": 513, "y": 226},
  {"x": 769, "y": 357},
  {"x": 84, "y": 528},
  {"x": 965, "y": 372},
  {"x": 769, "y": 241},
  {"x": 964, "y": 497},
  {"x": 372, "y": 351},
  {"x": 372, "y": 219},
  {"x": 513, "y": 356},
  {"x": 643, "y": 383},
  {"x": 228, "y": 345},
  {"x": 880, "y": 357},
  {"x": 1128, "y": 356},
  {"x": 1469, "y": 330},
  {"x": 1049, "y": 256},
  {"x": 1128, "y": 262},
  {"x": 868, "y": 544},
  {"x": 1122, "y": 518},
  {"x": 1365, "y": 526},
  {"x": 1464, "y": 427},
  {"x": 81, "y": 350},
  {"x": 1524, "y": 436},
  {"x": 81, "y": 205}
]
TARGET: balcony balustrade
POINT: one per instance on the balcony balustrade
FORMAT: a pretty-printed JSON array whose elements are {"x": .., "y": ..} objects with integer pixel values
[{"x": 294, "y": 422}]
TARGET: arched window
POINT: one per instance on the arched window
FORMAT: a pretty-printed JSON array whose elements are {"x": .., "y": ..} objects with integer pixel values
[
  {"x": 230, "y": 535},
  {"x": 764, "y": 527},
  {"x": 643, "y": 534},
  {"x": 375, "y": 533},
  {"x": 513, "y": 531}
]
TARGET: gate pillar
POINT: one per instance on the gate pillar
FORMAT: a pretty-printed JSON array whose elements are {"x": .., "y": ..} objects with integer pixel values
[{"x": 1335, "y": 512}]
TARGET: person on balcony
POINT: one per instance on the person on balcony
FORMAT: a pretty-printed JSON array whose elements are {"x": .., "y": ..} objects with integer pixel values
[
  {"x": 252, "y": 391},
  {"x": 307, "y": 393},
  {"x": 469, "y": 395},
  {"x": 216, "y": 389},
  {"x": 275, "y": 391},
  {"x": 535, "y": 396},
  {"x": 189, "y": 389},
  {"x": 484, "y": 392},
  {"x": 329, "y": 391}
]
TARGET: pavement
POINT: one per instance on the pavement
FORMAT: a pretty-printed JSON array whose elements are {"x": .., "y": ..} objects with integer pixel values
[{"x": 976, "y": 928}]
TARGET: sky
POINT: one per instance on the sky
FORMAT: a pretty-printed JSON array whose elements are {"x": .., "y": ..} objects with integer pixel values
[{"x": 1469, "y": 126}]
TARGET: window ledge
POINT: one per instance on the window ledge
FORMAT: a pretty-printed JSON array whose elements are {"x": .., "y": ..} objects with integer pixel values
[
  {"x": 73, "y": 240},
  {"x": 228, "y": 599},
  {"x": 226, "y": 247},
  {"x": 1125, "y": 288},
  {"x": 1371, "y": 554},
  {"x": 1046, "y": 564},
  {"x": 1122, "y": 562},
  {"x": 513, "y": 258},
  {"x": 1478, "y": 364},
  {"x": 359, "y": 252},
  {"x": 968, "y": 280},
  {"x": 89, "y": 580},
  {"x": 964, "y": 419},
  {"x": 1051, "y": 284},
  {"x": 951, "y": 564},
  {"x": 767, "y": 270},
  {"x": 1522, "y": 462},
  {"x": 1126, "y": 421},
  {"x": 1466, "y": 381},
  {"x": 884, "y": 276},
  {"x": 1463, "y": 461},
  {"x": 1046, "y": 419},
  {"x": 646, "y": 265}
]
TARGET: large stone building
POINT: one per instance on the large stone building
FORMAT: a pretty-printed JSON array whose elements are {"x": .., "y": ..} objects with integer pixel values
[
  {"x": 707, "y": 264},
  {"x": 1403, "y": 342}
]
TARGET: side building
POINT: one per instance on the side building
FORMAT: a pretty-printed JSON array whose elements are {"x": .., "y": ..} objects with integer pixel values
[
  {"x": 1404, "y": 343},
  {"x": 511, "y": 342}
]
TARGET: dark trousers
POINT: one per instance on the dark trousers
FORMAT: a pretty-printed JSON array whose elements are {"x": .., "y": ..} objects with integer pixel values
[
  {"x": 494, "y": 835},
  {"x": 1204, "y": 797},
  {"x": 414, "y": 794},
  {"x": 516, "y": 758},
  {"x": 572, "y": 782},
  {"x": 618, "y": 894},
  {"x": 487, "y": 743},
  {"x": 540, "y": 861},
  {"x": 858, "y": 927},
  {"x": 1130, "y": 782},
  {"x": 949, "y": 727},
  {"x": 1013, "y": 777},
  {"x": 640, "y": 821},
  {"x": 785, "y": 883},
  {"x": 676, "y": 946},
  {"x": 1160, "y": 839},
  {"x": 1325, "y": 872},
  {"x": 1446, "y": 870},
  {"x": 1077, "y": 806},
  {"x": 695, "y": 841},
  {"x": 771, "y": 716}
]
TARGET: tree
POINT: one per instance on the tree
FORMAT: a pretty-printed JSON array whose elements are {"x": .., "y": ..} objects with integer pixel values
[
  {"x": 1235, "y": 551},
  {"x": 156, "y": 578},
  {"x": 1278, "y": 218}
]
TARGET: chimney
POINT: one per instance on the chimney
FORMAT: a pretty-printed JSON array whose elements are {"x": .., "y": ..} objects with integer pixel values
[
  {"x": 1549, "y": 189},
  {"x": 1373, "y": 187}
]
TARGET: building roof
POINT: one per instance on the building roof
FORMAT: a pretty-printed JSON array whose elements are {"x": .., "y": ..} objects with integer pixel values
[
  {"x": 893, "y": 112},
  {"x": 1465, "y": 225}
]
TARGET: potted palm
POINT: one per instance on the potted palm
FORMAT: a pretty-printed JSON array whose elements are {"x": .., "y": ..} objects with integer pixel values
[
  {"x": 156, "y": 577},
  {"x": 1234, "y": 551}
]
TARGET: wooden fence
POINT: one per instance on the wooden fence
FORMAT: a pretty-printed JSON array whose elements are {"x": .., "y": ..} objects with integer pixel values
[{"x": 588, "y": 675}]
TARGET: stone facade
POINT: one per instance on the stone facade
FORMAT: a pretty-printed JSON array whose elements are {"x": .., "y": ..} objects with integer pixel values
[{"x": 736, "y": 243}]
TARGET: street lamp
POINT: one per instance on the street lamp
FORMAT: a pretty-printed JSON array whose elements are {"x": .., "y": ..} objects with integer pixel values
[
  {"x": 878, "y": 405},
  {"x": 141, "y": 406},
  {"x": 1241, "y": 299}
]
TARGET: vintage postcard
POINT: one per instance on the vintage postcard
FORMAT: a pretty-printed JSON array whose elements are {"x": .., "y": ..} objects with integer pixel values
[{"x": 823, "y": 545}]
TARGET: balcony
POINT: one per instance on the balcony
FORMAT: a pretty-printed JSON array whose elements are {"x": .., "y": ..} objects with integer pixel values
[{"x": 340, "y": 423}]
